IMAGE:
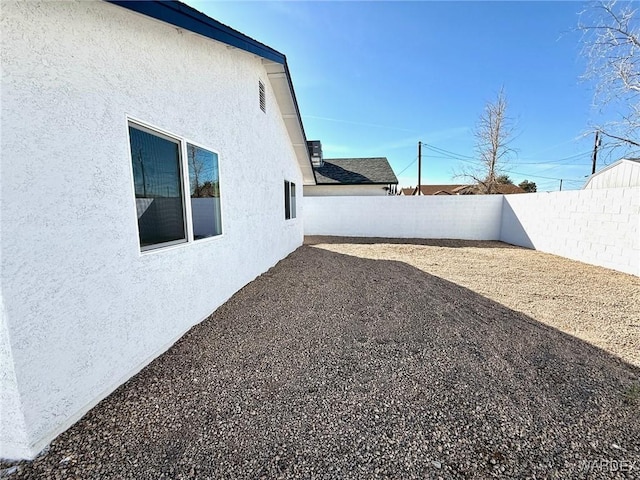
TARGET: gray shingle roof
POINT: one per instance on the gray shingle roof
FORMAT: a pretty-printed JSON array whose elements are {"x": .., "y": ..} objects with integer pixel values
[{"x": 355, "y": 171}]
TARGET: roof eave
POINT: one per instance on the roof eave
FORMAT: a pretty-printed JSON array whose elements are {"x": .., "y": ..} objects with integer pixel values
[
  {"x": 280, "y": 79},
  {"x": 356, "y": 183},
  {"x": 183, "y": 16}
]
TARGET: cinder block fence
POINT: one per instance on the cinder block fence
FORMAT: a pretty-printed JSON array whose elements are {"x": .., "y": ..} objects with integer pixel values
[{"x": 600, "y": 227}]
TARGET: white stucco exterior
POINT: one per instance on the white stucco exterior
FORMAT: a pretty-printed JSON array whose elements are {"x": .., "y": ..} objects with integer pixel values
[
  {"x": 623, "y": 173},
  {"x": 83, "y": 309},
  {"x": 344, "y": 190}
]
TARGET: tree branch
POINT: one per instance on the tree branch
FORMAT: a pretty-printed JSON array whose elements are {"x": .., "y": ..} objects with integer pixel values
[
  {"x": 611, "y": 43},
  {"x": 627, "y": 140}
]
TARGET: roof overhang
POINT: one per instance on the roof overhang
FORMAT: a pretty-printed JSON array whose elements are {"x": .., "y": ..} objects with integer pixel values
[
  {"x": 280, "y": 80},
  {"x": 183, "y": 16},
  {"x": 324, "y": 184}
]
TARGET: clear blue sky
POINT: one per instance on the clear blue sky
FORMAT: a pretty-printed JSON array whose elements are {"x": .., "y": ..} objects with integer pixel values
[{"x": 374, "y": 78}]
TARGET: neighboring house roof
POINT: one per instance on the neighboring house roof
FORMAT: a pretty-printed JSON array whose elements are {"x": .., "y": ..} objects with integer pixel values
[
  {"x": 632, "y": 180},
  {"x": 504, "y": 189},
  {"x": 438, "y": 189},
  {"x": 355, "y": 171},
  {"x": 183, "y": 16},
  {"x": 509, "y": 189}
]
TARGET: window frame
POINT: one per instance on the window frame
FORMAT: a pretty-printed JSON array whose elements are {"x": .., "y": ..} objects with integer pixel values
[
  {"x": 293, "y": 201},
  {"x": 290, "y": 209},
  {"x": 184, "y": 183},
  {"x": 188, "y": 189}
]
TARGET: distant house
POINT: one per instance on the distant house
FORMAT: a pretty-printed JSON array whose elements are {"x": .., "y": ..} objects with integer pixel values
[
  {"x": 433, "y": 190},
  {"x": 623, "y": 173},
  {"x": 349, "y": 176},
  {"x": 502, "y": 189}
]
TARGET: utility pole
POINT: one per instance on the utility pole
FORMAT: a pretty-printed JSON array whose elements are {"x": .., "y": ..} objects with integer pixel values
[
  {"x": 560, "y": 184},
  {"x": 419, "y": 168},
  {"x": 595, "y": 152}
]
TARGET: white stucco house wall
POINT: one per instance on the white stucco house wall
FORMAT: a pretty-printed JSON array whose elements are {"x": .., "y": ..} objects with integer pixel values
[
  {"x": 623, "y": 173},
  {"x": 108, "y": 254}
]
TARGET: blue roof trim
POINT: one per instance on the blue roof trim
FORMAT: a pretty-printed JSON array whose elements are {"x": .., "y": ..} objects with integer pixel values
[{"x": 183, "y": 16}]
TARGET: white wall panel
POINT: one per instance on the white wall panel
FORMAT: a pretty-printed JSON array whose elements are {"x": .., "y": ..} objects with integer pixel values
[
  {"x": 597, "y": 226},
  {"x": 433, "y": 216}
]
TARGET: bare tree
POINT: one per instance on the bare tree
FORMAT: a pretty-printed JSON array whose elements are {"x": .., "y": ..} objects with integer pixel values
[
  {"x": 611, "y": 45},
  {"x": 195, "y": 170},
  {"x": 494, "y": 132}
]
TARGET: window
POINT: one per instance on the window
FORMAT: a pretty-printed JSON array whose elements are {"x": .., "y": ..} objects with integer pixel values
[
  {"x": 164, "y": 168},
  {"x": 204, "y": 187},
  {"x": 263, "y": 97},
  {"x": 293, "y": 200},
  {"x": 289, "y": 200},
  {"x": 158, "y": 185}
]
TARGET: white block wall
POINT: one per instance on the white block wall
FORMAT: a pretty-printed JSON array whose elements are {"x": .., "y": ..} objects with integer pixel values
[
  {"x": 599, "y": 226},
  {"x": 83, "y": 309},
  {"x": 434, "y": 216}
]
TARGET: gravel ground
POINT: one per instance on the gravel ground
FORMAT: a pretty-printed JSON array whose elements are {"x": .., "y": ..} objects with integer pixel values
[
  {"x": 384, "y": 360},
  {"x": 598, "y": 305}
]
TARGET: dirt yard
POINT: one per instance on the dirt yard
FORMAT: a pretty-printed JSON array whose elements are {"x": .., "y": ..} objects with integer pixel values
[
  {"x": 597, "y": 305},
  {"x": 366, "y": 360}
]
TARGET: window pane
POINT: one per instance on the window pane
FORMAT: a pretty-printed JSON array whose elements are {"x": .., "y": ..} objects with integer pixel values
[
  {"x": 204, "y": 183},
  {"x": 293, "y": 200},
  {"x": 287, "y": 199},
  {"x": 158, "y": 187}
]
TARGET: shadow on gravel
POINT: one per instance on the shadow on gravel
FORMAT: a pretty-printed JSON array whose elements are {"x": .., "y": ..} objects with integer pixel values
[{"x": 332, "y": 366}]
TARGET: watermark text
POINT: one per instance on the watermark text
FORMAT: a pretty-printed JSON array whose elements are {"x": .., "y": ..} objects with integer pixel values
[{"x": 608, "y": 465}]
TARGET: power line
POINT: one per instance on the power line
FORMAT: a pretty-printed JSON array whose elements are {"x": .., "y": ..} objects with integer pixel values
[
  {"x": 405, "y": 168},
  {"x": 536, "y": 176},
  {"x": 559, "y": 166},
  {"x": 469, "y": 159},
  {"x": 463, "y": 158},
  {"x": 575, "y": 156},
  {"x": 450, "y": 158},
  {"x": 447, "y": 152}
]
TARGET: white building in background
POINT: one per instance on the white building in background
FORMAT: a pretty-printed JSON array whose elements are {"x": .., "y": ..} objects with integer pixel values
[
  {"x": 337, "y": 177},
  {"x": 623, "y": 173},
  {"x": 141, "y": 187}
]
